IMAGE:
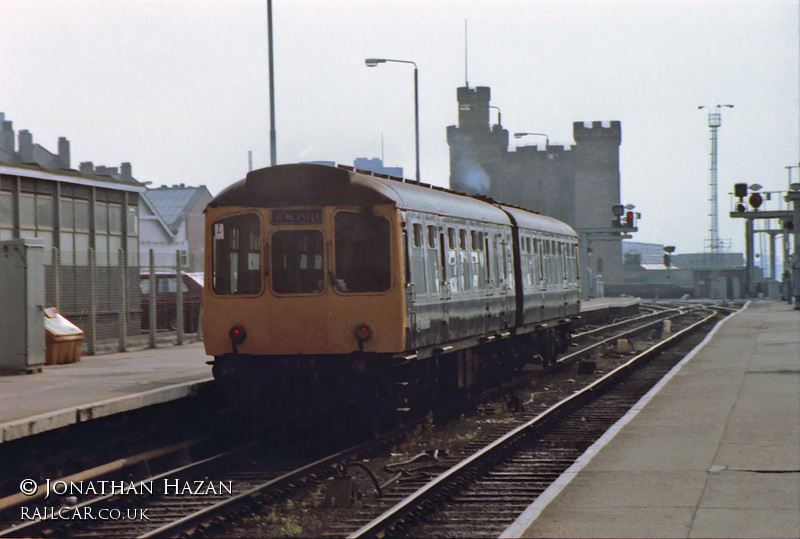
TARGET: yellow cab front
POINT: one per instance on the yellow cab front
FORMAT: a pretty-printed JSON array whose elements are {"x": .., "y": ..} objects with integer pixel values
[{"x": 303, "y": 281}]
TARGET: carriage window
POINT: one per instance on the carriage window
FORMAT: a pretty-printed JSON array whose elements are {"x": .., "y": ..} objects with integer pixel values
[
  {"x": 462, "y": 239},
  {"x": 431, "y": 236},
  {"x": 362, "y": 253},
  {"x": 451, "y": 238},
  {"x": 236, "y": 248},
  {"x": 417, "y": 235},
  {"x": 417, "y": 262},
  {"x": 297, "y": 262}
]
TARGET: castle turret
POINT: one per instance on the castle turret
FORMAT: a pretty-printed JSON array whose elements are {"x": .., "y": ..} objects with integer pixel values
[
  {"x": 597, "y": 181},
  {"x": 476, "y": 150},
  {"x": 473, "y": 108},
  {"x": 597, "y": 189}
]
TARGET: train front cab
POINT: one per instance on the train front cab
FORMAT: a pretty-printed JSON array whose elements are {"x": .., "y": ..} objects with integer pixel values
[{"x": 303, "y": 288}]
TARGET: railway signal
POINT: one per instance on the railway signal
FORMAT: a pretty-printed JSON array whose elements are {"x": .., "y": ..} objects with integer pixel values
[
  {"x": 755, "y": 200},
  {"x": 740, "y": 192},
  {"x": 623, "y": 218},
  {"x": 752, "y": 205}
]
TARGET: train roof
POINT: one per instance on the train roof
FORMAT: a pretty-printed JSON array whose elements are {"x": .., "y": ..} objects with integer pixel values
[
  {"x": 534, "y": 221},
  {"x": 322, "y": 185}
]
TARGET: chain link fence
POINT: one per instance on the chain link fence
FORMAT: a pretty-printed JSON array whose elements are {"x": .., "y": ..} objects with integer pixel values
[{"x": 121, "y": 306}]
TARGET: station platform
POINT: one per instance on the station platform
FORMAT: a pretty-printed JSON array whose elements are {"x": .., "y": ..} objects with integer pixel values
[
  {"x": 605, "y": 310},
  {"x": 103, "y": 385},
  {"x": 712, "y": 451},
  {"x": 99, "y": 386},
  {"x": 598, "y": 304}
]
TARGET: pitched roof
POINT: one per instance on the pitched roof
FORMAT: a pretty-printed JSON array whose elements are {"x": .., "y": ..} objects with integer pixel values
[{"x": 174, "y": 203}]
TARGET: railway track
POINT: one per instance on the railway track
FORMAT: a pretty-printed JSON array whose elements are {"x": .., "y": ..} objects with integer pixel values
[
  {"x": 170, "y": 503},
  {"x": 484, "y": 493},
  {"x": 180, "y": 499}
]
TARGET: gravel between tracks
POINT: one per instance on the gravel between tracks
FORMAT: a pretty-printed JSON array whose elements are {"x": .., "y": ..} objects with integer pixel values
[{"x": 309, "y": 514}]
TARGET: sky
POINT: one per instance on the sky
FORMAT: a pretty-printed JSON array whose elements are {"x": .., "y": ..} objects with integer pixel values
[{"x": 179, "y": 88}]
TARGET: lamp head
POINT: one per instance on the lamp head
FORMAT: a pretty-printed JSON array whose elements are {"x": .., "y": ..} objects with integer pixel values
[{"x": 372, "y": 62}]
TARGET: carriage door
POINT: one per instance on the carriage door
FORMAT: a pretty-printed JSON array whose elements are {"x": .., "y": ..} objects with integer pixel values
[
  {"x": 411, "y": 294},
  {"x": 507, "y": 280},
  {"x": 562, "y": 273},
  {"x": 429, "y": 308},
  {"x": 447, "y": 290}
]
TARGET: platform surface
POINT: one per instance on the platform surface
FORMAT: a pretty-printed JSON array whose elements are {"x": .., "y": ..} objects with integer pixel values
[
  {"x": 98, "y": 386},
  {"x": 713, "y": 452},
  {"x": 596, "y": 304}
]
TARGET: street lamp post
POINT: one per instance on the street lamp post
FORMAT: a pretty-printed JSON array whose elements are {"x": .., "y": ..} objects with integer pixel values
[
  {"x": 273, "y": 152},
  {"x": 546, "y": 138},
  {"x": 500, "y": 123},
  {"x": 372, "y": 62}
]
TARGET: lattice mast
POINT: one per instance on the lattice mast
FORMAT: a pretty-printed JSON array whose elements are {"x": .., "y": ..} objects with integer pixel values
[{"x": 714, "y": 123}]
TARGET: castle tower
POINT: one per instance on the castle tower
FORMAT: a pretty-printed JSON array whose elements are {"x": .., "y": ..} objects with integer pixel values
[
  {"x": 597, "y": 189},
  {"x": 476, "y": 151},
  {"x": 577, "y": 184}
]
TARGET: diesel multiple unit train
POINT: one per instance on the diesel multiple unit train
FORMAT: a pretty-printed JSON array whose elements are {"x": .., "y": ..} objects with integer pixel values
[{"x": 334, "y": 285}]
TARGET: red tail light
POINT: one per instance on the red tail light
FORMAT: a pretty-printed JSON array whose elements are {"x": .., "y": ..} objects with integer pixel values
[
  {"x": 363, "y": 332},
  {"x": 237, "y": 334}
]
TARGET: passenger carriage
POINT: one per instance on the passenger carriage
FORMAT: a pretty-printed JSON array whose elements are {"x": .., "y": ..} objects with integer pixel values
[{"x": 369, "y": 283}]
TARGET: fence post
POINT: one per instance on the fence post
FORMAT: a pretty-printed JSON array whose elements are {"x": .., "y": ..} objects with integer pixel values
[
  {"x": 92, "y": 303},
  {"x": 153, "y": 310},
  {"x": 179, "y": 297},
  {"x": 123, "y": 301}
]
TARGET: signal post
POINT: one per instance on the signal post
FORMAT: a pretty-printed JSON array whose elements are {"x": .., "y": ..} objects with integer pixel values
[
  {"x": 621, "y": 226},
  {"x": 793, "y": 197},
  {"x": 789, "y": 218}
]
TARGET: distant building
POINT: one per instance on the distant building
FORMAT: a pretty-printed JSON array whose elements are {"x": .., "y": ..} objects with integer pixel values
[
  {"x": 577, "y": 183},
  {"x": 28, "y": 152},
  {"x": 706, "y": 275},
  {"x": 645, "y": 275},
  {"x": 326, "y": 163},
  {"x": 171, "y": 220},
  {"x": 645, "y": 253},
  {"x": 84, "y": 218},
  {"x": 376, "y": 165},
  {"x": 716, "y": 275}
]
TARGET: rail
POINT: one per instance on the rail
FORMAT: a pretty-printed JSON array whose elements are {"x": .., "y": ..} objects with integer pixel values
[{"x": 444, "y": 482}]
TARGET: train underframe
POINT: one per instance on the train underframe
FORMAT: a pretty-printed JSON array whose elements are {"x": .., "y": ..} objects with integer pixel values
[{"x": 367, "y": 392}]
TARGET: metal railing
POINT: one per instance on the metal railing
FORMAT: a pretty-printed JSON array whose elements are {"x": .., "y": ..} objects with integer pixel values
[{"x": 121, "y": 306}]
